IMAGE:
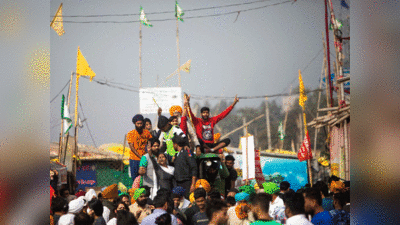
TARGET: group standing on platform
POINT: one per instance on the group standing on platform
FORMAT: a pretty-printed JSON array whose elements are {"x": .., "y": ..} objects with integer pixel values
[{"x": 181, "y": 176}]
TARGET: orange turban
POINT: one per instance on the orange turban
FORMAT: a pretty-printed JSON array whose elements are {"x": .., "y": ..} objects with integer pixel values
[
  {"x": 202, "y": 183},
  {"x": 175, "y": 108},
  {"x": 110, "y": 192},
  {"x": 337, "y": 186}
]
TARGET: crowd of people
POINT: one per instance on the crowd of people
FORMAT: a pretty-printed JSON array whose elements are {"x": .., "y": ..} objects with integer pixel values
[{"x": 181, "y": 176}]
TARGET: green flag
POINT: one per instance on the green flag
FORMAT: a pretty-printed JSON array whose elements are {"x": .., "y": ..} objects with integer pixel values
[
  {"x": 281, "y": 131},
  {"x": 65, "y": 115},
  {"x": 178, "y": 11},
  {"x": 143, "y": 18}
]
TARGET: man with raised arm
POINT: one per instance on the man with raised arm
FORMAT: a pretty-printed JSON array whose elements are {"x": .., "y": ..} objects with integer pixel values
[{"x": 205, "y": 127}]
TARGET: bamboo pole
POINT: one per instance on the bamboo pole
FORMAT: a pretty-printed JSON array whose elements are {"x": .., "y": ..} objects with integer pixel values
[
  {"x": 318, "y": 103},
  {"x": 268, "y": 123},
  {"x": 327, "y": 54},
  {"x": 244, "y": 126},
  {"x": 140, "y": 55},
  {"x": 233, "y": 131},
  {"x": 123, "y": 154},
  {"x": 177, "y": 45},
  {"x": 285, "y": 121}
]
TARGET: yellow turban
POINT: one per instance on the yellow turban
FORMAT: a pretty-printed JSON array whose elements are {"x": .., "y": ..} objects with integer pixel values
[
  {"x": 175, "y": 108},
  {"x": 191, "y": 197},
  {"x": 202, "y": 183}
]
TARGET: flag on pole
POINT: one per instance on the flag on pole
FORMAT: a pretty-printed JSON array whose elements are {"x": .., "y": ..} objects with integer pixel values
[
  {"x": 143, "y": 18},
  {"x": 65, "y": 115},
  {"x": 57, "y": 22},
  {"x": 303, "y": 96},
  {"x": 80, "y": 124},
  {"x": 186, "y": 67},
  {"x": 305, "y": 150},
  {"x": 281, "y": 131},
  {"x": 82, "y": 66},
  {"x": 178, "y": 12}
]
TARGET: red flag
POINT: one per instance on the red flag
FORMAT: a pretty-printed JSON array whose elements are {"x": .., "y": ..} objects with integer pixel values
[
  {"x": 305, "y": 150},
  {"x": 259, "y": 175}
]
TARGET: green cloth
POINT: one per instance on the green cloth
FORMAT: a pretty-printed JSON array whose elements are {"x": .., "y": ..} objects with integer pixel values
[
  {"x": 143, "y": 162},
  {"x": 270, "y": 188},
  {"x": 247, "y": 189},
  {"x": 138, "y": 193},
  {"x": 260, "y": 222},
  {"x": 168, "y": 140}
]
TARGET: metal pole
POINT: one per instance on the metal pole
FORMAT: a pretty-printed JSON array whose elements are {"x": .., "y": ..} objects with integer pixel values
[
  {"x": 140, "y": 55},
  {"x": 268, "y": 125}
]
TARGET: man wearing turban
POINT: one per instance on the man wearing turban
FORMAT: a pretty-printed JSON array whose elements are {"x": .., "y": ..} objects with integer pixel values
[
  {"x": 140, "y": 208},
  {"x": 137, "y": 140}
]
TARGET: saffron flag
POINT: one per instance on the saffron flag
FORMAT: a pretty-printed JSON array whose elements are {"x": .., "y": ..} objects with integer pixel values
[
  {"x": 143, "y": 18},
  {"x": 186, "y": 67},
  {"x": 303, "y": 96},
  {"x": 178, "y": 12},
  {"x": 82, "y": 66},
  {"x": 305, "y": 150},
  {"x": 65, "y": 116},
  {"x": 57, "y": 22}
]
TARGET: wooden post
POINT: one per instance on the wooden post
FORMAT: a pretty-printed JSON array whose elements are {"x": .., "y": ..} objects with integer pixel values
[
  {"x": 123, "y": 154},
  {"x": 177, "y": 45},
  {"x": 318, "y": 103},
  {"x": 327, "y": 54},
  {"x": 268, "y": 125},
  {"x": 328, "y": 104},
  {"x": 285, "y": 121},
  {"x": 140, "y": 55},
  {"x": 245, "y": 127}
]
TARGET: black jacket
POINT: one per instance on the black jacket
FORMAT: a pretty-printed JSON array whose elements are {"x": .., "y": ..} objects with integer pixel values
[{"x": 185, "y": 166}]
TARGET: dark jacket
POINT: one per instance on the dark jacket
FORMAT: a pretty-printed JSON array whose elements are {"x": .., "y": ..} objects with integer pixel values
[{"x": 185, "y": 166}]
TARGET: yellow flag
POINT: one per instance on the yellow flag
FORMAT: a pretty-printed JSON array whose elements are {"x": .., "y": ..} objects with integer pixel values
[
  {"x": 186, "y": 67},
  {"x": 57, "y": 22},
  {"x": 302, "y": 97},
  {"x": 82, "y": 67}
]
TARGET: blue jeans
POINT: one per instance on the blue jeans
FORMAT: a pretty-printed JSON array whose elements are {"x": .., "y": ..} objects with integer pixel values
[{"x": 134, "y": 165}]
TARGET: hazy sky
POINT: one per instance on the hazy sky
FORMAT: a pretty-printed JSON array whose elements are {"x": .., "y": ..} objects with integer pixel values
[{"x": 259, "y": 54}]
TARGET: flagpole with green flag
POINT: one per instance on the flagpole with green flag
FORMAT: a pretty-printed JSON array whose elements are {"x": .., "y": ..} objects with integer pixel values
[
  {"x": 178, "y": 14},
  {"x": 143, "y": 20}
]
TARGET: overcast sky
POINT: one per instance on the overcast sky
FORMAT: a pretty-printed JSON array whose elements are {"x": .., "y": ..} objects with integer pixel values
[{"x": 259, "y": 54}]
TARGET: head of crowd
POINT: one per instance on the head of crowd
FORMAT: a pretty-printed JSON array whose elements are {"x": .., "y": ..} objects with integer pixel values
[{"x": 181, "y": 175}]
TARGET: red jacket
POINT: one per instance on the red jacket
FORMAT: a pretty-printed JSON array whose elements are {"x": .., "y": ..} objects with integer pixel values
[{"x": 205, "y": 129}]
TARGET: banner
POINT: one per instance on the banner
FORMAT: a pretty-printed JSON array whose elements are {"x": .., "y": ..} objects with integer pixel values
[
  {"x": 248, "y": 153},
  {"x": 164, "y": 97},
  {"x": 259, "y": 174},
  {"x": 86, "y": 176}
]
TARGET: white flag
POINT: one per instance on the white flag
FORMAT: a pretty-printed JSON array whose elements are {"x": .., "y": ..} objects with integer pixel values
[{"x": 65, "y": 116}]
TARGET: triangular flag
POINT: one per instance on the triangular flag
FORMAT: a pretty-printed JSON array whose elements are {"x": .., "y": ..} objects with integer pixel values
[
  {"x": 186, "y": 67},
  {"x": 143, "y": 18},
  {"x": 178, "y": 12},
  {"x": 303, "y": 96},
  {"x": 57, "y": 22},
  {"x": 65, "y": 115},
  {"x": 82, "y": 66},
  {"x": 80, "y": 124},
  {"x": 305, "y": 150}
]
